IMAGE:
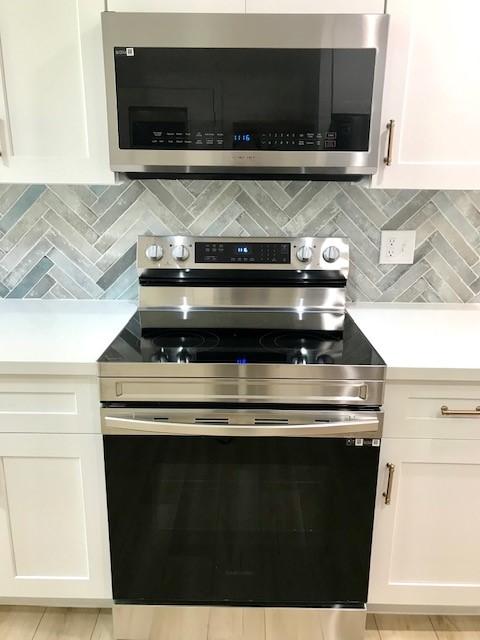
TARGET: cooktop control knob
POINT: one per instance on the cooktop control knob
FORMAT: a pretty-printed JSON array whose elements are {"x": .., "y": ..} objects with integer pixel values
[
  {"x": 331, "y": 254},
  {"x": 180, "y": 252},
  {"x": 304, "y": 253},
  {"x": 154, "y": 252}
]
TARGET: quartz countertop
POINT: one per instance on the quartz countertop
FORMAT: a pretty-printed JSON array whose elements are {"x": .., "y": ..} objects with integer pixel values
[
  {"x": 417, "y": 341},
  {"x": 58, "y": 337},
  {"x": 422, "y": 341}
]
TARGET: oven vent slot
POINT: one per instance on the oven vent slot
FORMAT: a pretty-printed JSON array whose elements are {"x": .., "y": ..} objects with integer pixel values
[
  {"x": 211, "y": 421},
  {"x": 160, "y": 419},
  {"x": 267, "y": 421}
]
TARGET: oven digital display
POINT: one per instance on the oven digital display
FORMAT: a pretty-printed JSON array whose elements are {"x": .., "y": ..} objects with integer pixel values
[{"x": 245, "y": 252}]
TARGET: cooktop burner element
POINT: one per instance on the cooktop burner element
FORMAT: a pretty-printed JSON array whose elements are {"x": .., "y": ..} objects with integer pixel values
[
  {"x": 176, "y": 338},
  {"x": 243, "y": 346}
]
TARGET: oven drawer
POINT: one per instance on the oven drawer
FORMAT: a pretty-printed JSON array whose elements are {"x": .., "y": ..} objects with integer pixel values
[{"x": 295, "y": 391}]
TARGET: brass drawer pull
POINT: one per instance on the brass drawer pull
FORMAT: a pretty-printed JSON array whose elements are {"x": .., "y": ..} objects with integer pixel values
[
  {"x": 460, "y": 412},
  {"x": 390, "y": 128},
  {"x": 388, "y": 493}
]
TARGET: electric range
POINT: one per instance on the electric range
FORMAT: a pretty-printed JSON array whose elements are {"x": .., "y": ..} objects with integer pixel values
[{"x": 241, "y": 413}]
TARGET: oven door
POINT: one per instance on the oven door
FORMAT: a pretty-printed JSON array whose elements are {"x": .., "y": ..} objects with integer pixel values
[
  {"x": 244, "y": 93},
  {"x": 252, "y": 507}
]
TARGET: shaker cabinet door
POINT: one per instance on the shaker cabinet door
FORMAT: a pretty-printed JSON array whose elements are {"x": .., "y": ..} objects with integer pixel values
[
  {"x": 53, "y": 519},
  {"x": 425, "y": 541},
  {"x": 432, "y": 94},
  {"x": 53, "y": 123}
]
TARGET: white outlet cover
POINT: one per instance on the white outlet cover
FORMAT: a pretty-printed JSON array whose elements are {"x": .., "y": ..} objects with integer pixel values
[{"x": 397, "y": 247}]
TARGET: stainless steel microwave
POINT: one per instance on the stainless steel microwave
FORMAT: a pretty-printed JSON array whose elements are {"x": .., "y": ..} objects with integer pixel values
[{"x": 263, "y": 95}]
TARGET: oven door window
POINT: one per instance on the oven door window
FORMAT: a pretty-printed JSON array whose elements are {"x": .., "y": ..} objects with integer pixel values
[
  {"x": 265, "y": 521},
  {"x": 237, "y": 99}
]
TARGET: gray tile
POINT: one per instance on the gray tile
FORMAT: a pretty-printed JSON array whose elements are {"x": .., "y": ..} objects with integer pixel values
[
  {"x": 17, "y": 210},
  {"x": 31, "y": 278},
  {"x": 265, "y": 201},
  {"x": 403, "y": 215},
  {"x": 42, "y": 287},
  {"x": 10, "y": 194},
  {"x": 361, "y": 197},
  {"x": 179, "y": 210},
  {"x": 222, "y": 200},
  {"x": 71, "y": 217},
  {"x": 455, "y": 218},
  {"x": 443, "y": 269},
  {"x": 74, "y": 202},
  {"x": 108, "y": 196},
  {"x": 26, "y": 222},
  {"x": 258, "y": 214},
  {"x": 118, "y": 208},
  {"x": 116, "y": 270},
  {"x": 405, "y": 281},
  {"x": 74, "y": 273},
  {"x": 89, "y": 231}
]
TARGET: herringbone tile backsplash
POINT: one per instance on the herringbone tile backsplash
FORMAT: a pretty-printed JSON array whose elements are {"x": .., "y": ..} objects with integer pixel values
[{"x": 60, "y": 241}]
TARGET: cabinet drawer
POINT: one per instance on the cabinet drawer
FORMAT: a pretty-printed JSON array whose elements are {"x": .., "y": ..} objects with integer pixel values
[
  {"x": 415, "y": 410},
  {"x": 49, "y": 404}
]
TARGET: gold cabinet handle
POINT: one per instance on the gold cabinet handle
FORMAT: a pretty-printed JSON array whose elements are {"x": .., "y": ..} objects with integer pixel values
[
  {"x": 445, "y": 411},
  {"x": 388, "y": 493},
  {"x": 390, "y": 128}
]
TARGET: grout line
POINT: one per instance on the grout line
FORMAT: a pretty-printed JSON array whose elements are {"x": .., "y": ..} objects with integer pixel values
[
  {"x": 95, "y": 625},
  {"x": 40, "y": 620}
]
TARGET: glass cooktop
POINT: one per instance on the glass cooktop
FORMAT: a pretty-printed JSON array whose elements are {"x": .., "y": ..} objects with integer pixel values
[{"x": 347, "y": 346}]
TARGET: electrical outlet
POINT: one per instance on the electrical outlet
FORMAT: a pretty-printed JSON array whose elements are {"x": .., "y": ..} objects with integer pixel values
[{"x": 397, "y": 247}]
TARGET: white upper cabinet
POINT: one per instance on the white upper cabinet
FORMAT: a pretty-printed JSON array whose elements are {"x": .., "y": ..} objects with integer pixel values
[
  {"x": 178, "y": 6},
  {"x": 315, "y": 6},
  {"x": 52, "y": 96},
  {"x": 433, "y": 95}
]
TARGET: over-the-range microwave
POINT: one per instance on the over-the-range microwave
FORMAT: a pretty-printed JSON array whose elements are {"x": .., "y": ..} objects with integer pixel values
[{"x": 233, "y": 94}]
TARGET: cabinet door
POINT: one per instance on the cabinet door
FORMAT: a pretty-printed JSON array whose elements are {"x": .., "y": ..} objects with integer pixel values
[
  {"x": 425, "y": 542},
  {"x": 53, "y": 125},
  {"x": 53, "y": 519},
  {"x": 178, "y": 6},
  {"x": 315, "y": 6},
  {"x": 432, "y": 94}
]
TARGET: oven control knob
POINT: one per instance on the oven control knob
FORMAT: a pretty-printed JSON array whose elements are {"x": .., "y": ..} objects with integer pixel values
[
  {"x": 331, "y": 254},
  {"x": 154, "y": 252},
  {"x": 180, "y": 252},
  {"x": 304, "y": 253}
]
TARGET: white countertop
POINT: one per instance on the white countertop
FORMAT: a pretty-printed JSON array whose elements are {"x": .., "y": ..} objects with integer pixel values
[
  {"x": 417, "y": 341},
  {"x": 423, "y": 341},
  {"x": 58, "y": 336}
]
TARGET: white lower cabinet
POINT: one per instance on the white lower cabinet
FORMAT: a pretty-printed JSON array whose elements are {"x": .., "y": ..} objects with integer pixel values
[
  {"x": 53, "y": 520},
  {"x": 426, "y": 541}
]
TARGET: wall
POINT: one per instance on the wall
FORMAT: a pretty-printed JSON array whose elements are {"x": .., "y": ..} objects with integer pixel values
[{"x": 61, "y": 241}]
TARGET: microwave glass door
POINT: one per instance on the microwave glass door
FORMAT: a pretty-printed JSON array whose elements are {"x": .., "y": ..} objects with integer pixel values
[{"x": 241, "y": 99}]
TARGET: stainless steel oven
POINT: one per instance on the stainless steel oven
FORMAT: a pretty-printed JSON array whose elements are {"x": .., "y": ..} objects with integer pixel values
[
  {"x": 244, "y": 94},
  {"x": 241, "y": 413}
]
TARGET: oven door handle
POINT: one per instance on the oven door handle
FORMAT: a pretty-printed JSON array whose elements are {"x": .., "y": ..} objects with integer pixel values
[{"x": 134, "y": 426}]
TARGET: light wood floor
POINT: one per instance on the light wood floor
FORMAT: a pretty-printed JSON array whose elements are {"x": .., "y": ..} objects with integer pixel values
[{"x": 38, "y": 623}]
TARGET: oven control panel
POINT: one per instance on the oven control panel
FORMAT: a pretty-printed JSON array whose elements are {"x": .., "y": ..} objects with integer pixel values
[
  {"x": 190, "y": 252},
  {"x": 243, "y": 252}
]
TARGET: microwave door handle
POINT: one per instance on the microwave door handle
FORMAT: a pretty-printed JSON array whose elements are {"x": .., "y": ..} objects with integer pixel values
[{"x": 133, "y": 426}]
